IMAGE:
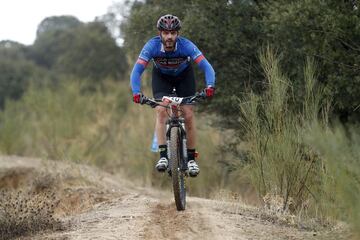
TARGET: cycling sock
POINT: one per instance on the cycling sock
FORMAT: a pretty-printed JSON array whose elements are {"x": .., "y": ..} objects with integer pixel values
[
  {"x": 163, "y": 151},
  {"x": 191, "y": 154}
]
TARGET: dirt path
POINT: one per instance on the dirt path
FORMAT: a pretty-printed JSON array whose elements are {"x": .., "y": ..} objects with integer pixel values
[
  {"x": 127, "y": 211},
  {"x": 140, "y": 216}
]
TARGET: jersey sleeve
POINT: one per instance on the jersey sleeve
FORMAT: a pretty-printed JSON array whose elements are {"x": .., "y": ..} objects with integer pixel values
[
  {"x": 145, "y": 53},
  {"x": 135, "y": 77},
  {"x": 197, "y": 56},
  {"x": 139, "y": 67},
  {"x": 206, "y": 67}
]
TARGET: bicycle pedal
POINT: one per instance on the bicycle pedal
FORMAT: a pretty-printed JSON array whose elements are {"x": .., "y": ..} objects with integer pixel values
[
  {"x": 160, "y": 169},
  {"x": 193, "y": 175}
]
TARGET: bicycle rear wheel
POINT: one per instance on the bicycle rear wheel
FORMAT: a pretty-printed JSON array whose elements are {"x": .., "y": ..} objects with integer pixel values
[{"x": 178, "y": 177}]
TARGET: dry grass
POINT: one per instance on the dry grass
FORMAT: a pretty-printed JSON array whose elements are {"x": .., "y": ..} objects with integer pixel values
[
  {"x": 24, "y": 213},
  {"x": 281, "y": 165},
  {"x": 339, "y": 146},
  {"x": 43, "y": 198},
  {"x": 272, "y": 212},
  {"x": 103, "y": 128}
]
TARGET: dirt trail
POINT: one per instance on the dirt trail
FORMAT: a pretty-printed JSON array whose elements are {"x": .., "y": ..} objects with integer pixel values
[{"x": 127, "y": 211}]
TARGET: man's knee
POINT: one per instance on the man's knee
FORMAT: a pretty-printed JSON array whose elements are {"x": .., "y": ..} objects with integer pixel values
[
  {"x": 161, "y": 114},
  {"x": 188, "y": 114}
]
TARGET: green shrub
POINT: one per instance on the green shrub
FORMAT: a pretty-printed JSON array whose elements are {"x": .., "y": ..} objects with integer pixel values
[
  {"x": 61, "y": 123},
  {"x": 100, "y": 126},
  {"x": 280, "y": 164},
  {"x": 340, "y": 149}
]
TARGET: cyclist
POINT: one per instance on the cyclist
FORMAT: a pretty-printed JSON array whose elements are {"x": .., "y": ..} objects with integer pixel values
[{"x": 172, "y": 55}]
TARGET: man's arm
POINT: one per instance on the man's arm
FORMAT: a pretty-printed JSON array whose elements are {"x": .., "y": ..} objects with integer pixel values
[
  {"x": 208, "y": 70},
  {"x": 135, "y": 77},
  {"x": 197, "y": 56},
  {"x": 138, "y": 69}
]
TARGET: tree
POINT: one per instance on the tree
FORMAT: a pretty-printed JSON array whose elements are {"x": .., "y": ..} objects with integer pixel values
[
  {"x": 12, "y": 50},
  {"x": 16, "y": 71},
  {"x": 66, "y": 46},
  {"x": 53, "y": 36},
  {"x": 327, "y": 31},
  {"x": 57, "y": 23},
  {"x": 93, "y": 54},
  {"x": 50, "y": 45},
  {"x": 230, "y": 35}
]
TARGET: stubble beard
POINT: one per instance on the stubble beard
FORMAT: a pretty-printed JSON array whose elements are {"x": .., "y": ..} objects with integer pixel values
[{"x": 169, "y": 44}]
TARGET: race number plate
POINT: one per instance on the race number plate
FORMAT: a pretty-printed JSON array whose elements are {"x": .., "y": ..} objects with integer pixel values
[{"x": 172, "y": 100}]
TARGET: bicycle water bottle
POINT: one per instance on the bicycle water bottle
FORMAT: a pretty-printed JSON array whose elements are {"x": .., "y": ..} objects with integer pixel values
[{"x": 154, "y": 144}]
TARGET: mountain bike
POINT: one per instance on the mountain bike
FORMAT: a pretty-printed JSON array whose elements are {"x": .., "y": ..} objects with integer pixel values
[{"x": 176, "y": 141}]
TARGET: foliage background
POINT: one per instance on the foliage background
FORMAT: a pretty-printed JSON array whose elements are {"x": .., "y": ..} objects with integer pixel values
[{"x": 287, "y": 102}]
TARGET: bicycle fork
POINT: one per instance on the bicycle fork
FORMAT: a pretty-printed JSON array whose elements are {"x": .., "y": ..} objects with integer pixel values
[
  {"x": 184, "y": 159},
  {"x": 183, "y": 144}
]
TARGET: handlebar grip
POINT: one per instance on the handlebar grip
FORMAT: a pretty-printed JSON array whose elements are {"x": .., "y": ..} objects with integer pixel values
[{"x": 143, "y": 99}]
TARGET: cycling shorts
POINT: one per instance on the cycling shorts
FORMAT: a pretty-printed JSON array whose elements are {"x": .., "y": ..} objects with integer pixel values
[{"x": 163, "y": 84}]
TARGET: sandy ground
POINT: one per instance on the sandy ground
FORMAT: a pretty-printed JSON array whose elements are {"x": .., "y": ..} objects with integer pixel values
[{"x": 123, "y": 210}]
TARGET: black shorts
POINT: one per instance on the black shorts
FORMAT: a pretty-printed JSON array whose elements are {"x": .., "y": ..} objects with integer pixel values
[{"x": 163, "y": 84}]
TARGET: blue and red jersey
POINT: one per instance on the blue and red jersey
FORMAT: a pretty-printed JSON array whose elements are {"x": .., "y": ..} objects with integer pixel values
[{"x": 170, "y": 62}]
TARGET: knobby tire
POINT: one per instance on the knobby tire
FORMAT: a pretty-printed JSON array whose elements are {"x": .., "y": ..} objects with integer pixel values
[{"x": 178, "y": 178}]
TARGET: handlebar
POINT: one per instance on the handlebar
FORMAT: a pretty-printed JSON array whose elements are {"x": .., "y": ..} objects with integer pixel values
[{"x": 185, "y": 100}]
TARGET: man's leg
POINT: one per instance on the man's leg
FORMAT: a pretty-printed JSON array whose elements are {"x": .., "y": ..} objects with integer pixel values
[
  {"x": 160, "y": 128},
  {"x": 188, "y": 111},
  {"x": 160, "y": 88},
  {"x": 161, "y": 117},
  {"x": 186, "y": 87},
  {"x": 189, "y": 117}
]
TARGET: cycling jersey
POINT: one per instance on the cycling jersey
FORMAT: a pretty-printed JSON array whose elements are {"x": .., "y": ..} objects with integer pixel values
[{"x": 171, "y": 63}]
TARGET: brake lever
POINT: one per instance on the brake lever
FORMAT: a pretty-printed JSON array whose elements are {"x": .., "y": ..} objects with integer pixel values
[
  {"x": 202, "y": 94},
  {"x": 192, "y": 99},
  {"x": 144, "y": 100}
]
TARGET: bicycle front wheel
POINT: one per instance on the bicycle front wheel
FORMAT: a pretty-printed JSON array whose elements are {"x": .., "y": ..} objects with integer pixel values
[{"x": 178, "y": 178}]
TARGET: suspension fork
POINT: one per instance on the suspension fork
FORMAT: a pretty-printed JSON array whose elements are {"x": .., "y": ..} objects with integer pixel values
[
  {"x": 184, "y": 159},
  {"x": 180, "y": 123}
]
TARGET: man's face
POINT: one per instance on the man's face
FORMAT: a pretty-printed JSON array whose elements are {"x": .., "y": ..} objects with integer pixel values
[{"x": 169, "y": 39}]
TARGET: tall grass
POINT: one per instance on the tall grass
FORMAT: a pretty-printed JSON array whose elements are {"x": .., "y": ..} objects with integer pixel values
[
  {"x": 61, "y": 123},
  {"x": 340, "y": 149},
  {"x": 295, "y": 156},
  {"x": 280, "y": 164},
  {"x": 100, "y": 126}
]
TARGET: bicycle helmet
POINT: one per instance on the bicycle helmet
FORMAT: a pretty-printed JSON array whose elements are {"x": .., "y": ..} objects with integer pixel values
[{"x": 168, "y": 22}]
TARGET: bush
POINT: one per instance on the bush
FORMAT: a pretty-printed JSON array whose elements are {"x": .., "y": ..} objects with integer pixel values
[
  {"x": 340, "y": 149},
  {"x": 279, "y": 163},
  {"x": 23, "y": 213},
  {"x": 101, "y": 127}
]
